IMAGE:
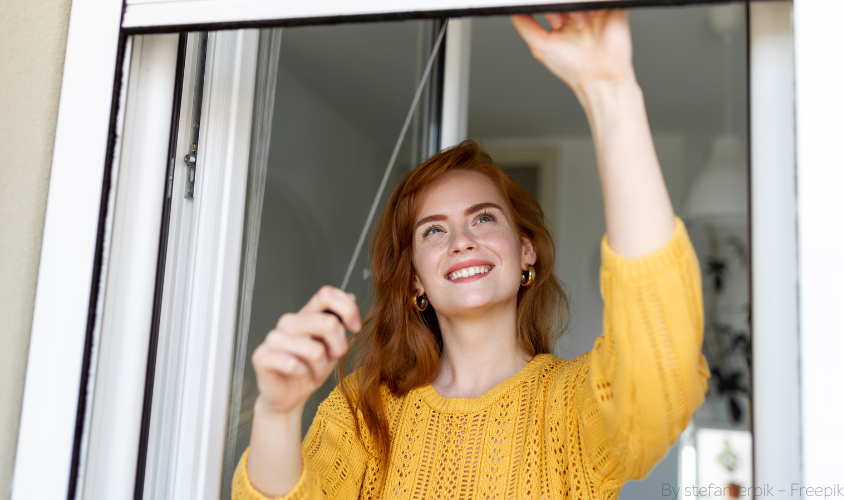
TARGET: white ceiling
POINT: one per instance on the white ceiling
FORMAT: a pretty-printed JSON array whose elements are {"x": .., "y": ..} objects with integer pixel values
[{"x": 368, "y": 73}]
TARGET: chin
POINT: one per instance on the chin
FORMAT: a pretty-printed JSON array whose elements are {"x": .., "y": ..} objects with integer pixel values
[{"x": 471, "y": 303}]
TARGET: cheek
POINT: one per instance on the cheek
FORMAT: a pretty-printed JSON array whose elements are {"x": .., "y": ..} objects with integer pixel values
[
  {"x": 504, "y": 243},
  {"x": 425, "y": 260}
]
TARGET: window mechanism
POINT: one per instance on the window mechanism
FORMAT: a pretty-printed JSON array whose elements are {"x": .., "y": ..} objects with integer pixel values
[
  {"x": 190, "y": 161},
  {"x": 196, "y": 114}
]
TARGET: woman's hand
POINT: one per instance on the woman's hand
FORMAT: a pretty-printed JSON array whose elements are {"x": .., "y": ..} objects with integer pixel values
[
  {"x": 291, "y": 363},
  {"x": 297, "y": 356},
  {"x": 592, "y": 52},
  {"x": 583, "y": 48}
]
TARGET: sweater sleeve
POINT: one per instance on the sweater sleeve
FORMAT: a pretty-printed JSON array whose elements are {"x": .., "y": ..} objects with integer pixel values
[
  {"x": 646, "y": 374},
  {"x": 334, "y": 460}
]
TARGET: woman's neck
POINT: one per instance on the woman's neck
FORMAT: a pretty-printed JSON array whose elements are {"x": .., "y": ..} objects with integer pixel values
[{"x": 479, "y": 352}]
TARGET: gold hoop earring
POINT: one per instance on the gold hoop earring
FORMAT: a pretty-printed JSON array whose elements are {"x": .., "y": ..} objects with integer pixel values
[
  {"x": 420, "y": 302},
  {"x": 529, "y": 276}
]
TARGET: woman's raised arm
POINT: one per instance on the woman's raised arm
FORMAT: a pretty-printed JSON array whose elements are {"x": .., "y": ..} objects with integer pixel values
[
  {"x": 646, "y": 375},
  {"x": 592, "y": 53}
]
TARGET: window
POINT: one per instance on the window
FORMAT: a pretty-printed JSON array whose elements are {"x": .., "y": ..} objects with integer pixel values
[
  {"x": 113, "y": 382},
  {"x": 328, "y": 107}
]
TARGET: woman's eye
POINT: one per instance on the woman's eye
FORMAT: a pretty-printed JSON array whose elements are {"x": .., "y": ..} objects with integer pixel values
[
  {"x": 431, "y": 230},
  {"x": 486, "y": 218}
]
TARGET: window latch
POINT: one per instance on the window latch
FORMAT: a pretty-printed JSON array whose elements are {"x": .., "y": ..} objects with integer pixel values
[
  {"x": 196, "y": 114},
  {"x": 190, "y": 161}
]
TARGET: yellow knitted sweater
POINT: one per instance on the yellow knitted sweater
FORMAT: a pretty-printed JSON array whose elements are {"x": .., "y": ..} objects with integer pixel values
[{"x": 556, "y": 429}]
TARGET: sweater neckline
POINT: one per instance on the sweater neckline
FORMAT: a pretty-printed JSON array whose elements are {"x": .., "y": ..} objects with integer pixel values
[{"x": 452, "y": 405}]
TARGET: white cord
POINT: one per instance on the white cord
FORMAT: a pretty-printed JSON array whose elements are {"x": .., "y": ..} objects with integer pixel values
[{"x": 393, "y": 157}]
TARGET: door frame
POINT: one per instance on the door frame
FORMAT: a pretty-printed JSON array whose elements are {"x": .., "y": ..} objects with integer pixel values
[{"x": 76, "y": 246}]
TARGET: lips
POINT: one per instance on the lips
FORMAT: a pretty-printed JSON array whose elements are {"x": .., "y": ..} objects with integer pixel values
[{"x": 468, "y": 269}]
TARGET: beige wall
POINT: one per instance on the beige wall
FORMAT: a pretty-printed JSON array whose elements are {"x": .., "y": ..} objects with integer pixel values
[{"x": 32, "y": 44}]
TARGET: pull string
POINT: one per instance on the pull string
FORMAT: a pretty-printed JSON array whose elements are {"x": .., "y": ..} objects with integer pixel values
[
  {"x": 394, "y": 155},
  {"x": 728, "y": 83}
]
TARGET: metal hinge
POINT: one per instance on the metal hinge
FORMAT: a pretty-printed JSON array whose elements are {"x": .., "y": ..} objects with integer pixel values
[{"x": 195, "y": 115}]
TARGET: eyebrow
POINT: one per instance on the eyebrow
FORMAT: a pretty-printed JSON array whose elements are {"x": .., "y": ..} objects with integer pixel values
[{"x": 469, "y": 211}]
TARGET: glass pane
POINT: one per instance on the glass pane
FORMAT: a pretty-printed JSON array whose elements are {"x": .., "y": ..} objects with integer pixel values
[
  {"x": 694, "y": 81},
  {"x": 342, "y": 96}
]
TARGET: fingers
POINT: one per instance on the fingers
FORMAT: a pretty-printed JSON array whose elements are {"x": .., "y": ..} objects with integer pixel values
[
  {"x": 558, "y": 20},
  {"x": 576, "y": 19},
  {"x": 555, "y": 20},
  {"x": 339, "y": 302},
  {"x": 324, "y": 328},
  {"x": 618, "y": 15},
  {"x": 279, "y": 362},
  {"x": 535, "y": 35},
  {"x": 529, "y": 28},
  {"x": 299, "y": 354},
  {"x": 295, "y": 356}
]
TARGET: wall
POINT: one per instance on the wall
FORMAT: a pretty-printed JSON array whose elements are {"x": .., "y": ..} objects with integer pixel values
[{"x": 32, "y": 45}]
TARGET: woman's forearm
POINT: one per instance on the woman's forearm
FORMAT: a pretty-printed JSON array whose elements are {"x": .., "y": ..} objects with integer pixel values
[
  {"x": 638, "y": 211},
  {"x": 275, "y": 451},
  {"x": 292, "y": 362},
  {"x": 592, "y": 52}
]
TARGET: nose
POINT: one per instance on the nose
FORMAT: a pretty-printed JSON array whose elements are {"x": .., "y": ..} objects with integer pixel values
[{"x": 462, "y": 240}]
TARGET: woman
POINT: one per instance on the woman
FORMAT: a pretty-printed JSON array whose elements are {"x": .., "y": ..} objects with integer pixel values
[{"x": 456, "y": 394}]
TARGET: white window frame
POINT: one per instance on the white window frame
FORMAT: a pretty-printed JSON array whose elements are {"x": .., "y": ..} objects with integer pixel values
[
  {"x": 121, "y": 339},
  {"x": 794, "y": 213},
  {"x": 187, "y": 432}
]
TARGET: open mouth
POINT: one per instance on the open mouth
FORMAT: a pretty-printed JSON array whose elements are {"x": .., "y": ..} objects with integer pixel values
[{"x": 469, "y": 272}]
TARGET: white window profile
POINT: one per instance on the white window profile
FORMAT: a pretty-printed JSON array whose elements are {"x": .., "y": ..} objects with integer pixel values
[{"x": 186, "y": 435}]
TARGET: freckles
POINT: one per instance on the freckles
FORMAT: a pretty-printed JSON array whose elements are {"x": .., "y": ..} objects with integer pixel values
[
  {"x": 427, "y": 245},
  {"x": 426, "y": 255},
  {"x": 504, "y": 244},
  {"x": 498, "y": 237}
]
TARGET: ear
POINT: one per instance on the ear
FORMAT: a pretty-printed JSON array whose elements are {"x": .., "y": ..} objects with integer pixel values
[
  {"x": 417, "y": 284},
  {"x": 528, "y": 254}
]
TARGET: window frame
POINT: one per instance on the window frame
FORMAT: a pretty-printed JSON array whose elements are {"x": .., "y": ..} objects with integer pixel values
[
  {"x": 77, "y": 250},
  {"x": 200, "y": 290}
]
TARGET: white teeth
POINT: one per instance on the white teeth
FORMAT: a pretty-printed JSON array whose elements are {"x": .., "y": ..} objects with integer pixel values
[{"x": 468, "y": 271}]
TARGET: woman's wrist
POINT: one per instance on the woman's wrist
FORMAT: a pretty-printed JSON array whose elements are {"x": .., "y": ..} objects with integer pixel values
[
  {"x": 275, "y": 457},
  {"x": 267, "y": 412},
  {"x": 613, "y": 108},
  {"x": 599, "y": 95}
]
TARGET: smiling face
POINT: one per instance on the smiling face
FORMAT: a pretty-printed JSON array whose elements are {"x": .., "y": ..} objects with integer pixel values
[{"x": 467, "y": 253}]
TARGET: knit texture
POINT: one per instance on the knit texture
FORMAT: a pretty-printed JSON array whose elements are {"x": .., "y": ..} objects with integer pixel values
[{"x": 556, "y": 429}]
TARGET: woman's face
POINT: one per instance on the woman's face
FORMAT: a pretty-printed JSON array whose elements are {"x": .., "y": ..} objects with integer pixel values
[{"x": 466, "y": 252}]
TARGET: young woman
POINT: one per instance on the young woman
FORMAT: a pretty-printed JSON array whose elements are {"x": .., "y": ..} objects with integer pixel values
[{"x": 457, "y": 394}]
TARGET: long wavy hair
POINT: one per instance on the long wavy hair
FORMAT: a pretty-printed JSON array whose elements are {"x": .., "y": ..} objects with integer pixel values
[{"x": 400, "y": 347}]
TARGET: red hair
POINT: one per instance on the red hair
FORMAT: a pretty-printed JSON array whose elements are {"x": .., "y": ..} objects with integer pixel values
[{"x": 401, "y": 347}]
